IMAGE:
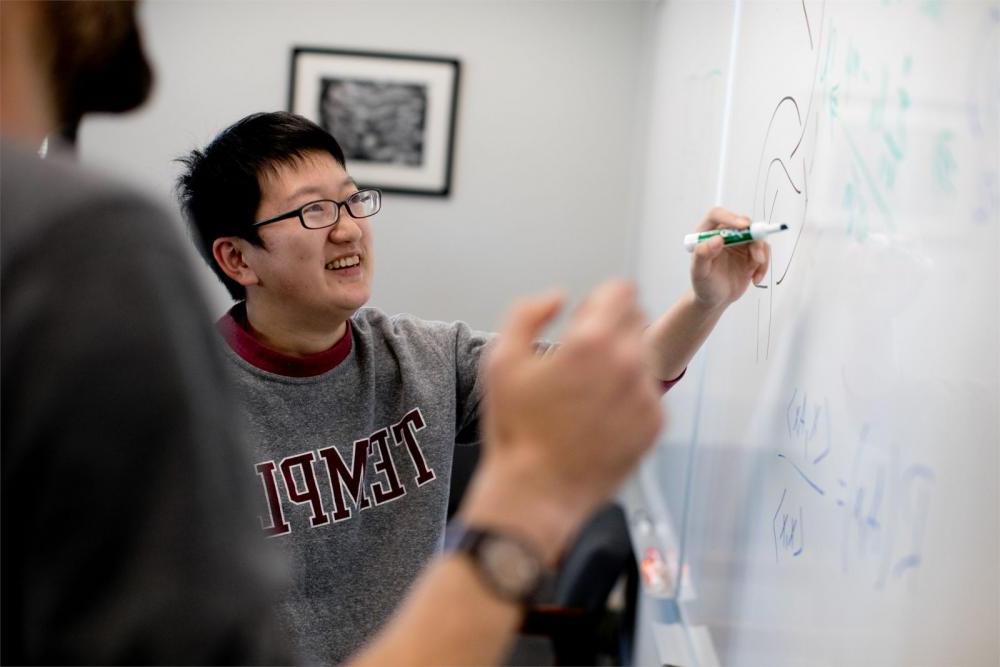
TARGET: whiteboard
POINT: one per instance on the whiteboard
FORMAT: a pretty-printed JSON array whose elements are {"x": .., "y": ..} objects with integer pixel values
[{"x": 825, "y": 491}]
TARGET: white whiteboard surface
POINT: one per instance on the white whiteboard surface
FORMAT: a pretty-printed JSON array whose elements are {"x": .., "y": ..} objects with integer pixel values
[{"x": 828, "y": 479}]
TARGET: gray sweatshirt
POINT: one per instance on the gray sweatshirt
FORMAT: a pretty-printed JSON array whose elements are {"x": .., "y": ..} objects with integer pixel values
[{"x": 353, "y": 463}]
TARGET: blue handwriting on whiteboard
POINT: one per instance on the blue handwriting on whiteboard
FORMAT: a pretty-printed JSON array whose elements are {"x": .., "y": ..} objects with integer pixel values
[
  {"x": 887, "y": 503},
  {"x": 884, "y": 500},
  {"x": 788, "y": 530}
]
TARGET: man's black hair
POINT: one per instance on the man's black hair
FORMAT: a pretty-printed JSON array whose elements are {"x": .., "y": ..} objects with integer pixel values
[{"x": 219, "y": 189}]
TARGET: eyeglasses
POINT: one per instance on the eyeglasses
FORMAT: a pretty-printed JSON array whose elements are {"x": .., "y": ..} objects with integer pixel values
[{"x": 325, "y": 212}]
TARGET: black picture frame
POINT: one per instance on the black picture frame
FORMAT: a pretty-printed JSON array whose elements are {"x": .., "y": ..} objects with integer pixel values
[{"x": 392, "y": 113}]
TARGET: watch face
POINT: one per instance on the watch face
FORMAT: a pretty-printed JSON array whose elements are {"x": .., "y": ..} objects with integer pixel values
[{"x": 512, "y": 567}]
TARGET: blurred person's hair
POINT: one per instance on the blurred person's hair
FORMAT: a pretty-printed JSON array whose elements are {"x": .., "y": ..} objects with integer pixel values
[
  {"x": 220, "y": 187},
  {"x": 94, "y": 56}
]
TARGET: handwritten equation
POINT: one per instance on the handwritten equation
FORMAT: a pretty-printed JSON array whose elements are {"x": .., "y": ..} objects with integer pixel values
[{"x": 880, "y": 502}]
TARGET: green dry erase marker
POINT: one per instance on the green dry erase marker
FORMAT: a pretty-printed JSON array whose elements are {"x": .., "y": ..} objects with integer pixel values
[{"x": 755, "y": 232}]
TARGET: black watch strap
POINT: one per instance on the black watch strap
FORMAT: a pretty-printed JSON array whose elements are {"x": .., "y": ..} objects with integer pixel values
[{"x": 508, "y": 565}]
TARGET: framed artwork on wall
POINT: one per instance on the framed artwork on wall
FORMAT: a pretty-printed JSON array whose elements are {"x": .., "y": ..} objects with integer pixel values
[{"x": 393, "y": 114}]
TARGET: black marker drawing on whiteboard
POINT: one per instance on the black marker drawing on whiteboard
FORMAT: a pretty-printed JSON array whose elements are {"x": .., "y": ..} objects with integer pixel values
[
  {"x": 804, "y": 191},
  {"x": 777, "y": 166},
  {"x": 770, "y": 302},
  {"x": 791, "y": 181},
  {"x": 774, "y": 176},
  {"x": 795, "y": 163},
  {"x": 815, "y": 79},
  {"x": 808, "y": 29},
  {"x": 788, "y": 99},
  {"x": 802, "y": 226},
  {"x": 773, "y": 202}
]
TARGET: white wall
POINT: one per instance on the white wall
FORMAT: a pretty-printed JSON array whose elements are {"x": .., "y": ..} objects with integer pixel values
[{"x": 544, "y": 170}]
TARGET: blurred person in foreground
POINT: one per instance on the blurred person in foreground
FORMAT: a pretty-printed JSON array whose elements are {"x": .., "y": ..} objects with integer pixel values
[
  {"x": 127, "y": 530},
  {"x": 123, "y": 529}
]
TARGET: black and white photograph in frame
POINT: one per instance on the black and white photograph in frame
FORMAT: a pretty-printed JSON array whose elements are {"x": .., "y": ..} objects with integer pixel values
[{"x": 393, "y": 114}]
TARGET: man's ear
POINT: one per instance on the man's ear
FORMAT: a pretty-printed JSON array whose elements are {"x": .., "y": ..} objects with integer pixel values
[{"x": 228, "y": 254}]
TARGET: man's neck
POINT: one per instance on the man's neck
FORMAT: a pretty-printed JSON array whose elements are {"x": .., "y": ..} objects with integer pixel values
[
  {"x": 27, "y": 108},
  {"x": 296, "y": 339}
]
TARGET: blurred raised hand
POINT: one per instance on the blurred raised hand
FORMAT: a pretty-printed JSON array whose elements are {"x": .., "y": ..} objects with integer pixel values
[{"x": 563, "y": 430}]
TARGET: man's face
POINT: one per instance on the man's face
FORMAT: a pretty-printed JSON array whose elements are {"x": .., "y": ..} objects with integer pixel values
[{"x": 295, "y": 269}]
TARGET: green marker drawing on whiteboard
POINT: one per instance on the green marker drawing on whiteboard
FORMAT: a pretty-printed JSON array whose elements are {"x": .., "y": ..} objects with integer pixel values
[{"x": 755, "y": 232}]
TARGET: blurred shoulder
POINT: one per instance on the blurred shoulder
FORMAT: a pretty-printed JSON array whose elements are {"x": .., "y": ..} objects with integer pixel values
[{"x": 44, "y": 199}]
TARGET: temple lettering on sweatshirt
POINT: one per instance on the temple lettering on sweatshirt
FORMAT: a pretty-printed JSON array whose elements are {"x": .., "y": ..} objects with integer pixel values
[{"x": 333, "y": 486}]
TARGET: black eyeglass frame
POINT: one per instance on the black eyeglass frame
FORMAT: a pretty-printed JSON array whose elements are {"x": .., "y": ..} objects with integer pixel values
[{"x": 302, "y": 219}]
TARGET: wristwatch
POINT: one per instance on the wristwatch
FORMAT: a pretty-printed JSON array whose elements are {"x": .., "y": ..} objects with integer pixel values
[{"x": 509, "y": 567}]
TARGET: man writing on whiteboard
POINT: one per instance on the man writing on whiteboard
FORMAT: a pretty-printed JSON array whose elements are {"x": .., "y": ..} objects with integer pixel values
[{"x": 354, "y": 413}]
